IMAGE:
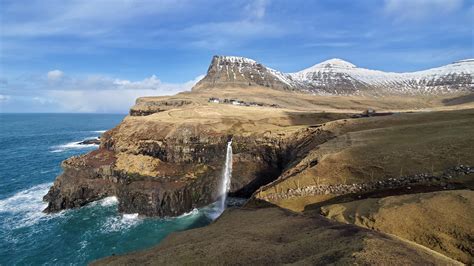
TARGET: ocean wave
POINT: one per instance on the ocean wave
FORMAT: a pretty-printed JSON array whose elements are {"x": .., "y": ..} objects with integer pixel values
[
  {"x": 193, "y": 212},
  {"x": 99, "y": 131},
  {"x": 105, "y": 202},
  {"x": 121, "y": 222},
  {"x": 109, "y": 201},
  {"x": 25, "y": 207},
  {"x": 73, "y": 145}
]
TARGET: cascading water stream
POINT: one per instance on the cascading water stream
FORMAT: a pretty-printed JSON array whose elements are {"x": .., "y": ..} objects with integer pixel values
[{"x": 226, "y": 177}]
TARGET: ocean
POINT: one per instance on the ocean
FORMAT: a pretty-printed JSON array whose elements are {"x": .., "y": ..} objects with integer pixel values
[{"x": 32, "y": 148}]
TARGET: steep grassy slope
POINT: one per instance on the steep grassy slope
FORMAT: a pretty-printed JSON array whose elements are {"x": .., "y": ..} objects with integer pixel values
[
  {"x": 368, "y": 150},
  {"x": 273, "y": 236},
  {"x": 441, "y": 221}
]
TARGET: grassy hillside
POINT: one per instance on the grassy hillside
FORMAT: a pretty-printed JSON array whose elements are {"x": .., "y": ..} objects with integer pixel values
[{"x": 378, "y": 148}]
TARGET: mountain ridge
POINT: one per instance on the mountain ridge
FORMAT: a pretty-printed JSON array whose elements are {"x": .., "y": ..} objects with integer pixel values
[{"x": 339, "y": 77}]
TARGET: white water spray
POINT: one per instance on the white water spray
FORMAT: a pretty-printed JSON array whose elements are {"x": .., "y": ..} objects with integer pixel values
[{"x": 226, "y": 177}]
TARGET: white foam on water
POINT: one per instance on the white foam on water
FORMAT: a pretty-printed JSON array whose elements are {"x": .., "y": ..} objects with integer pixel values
[
  {"x": 47, "y": 171},
  {"x": 26, "y": 207},
  {"x": 99, "y": 131},
  {"x": 193, "y": 212},
  {"x": 121, "y": 222},
  {"x": 109, "y": 201},
  {"x": 105, "y": 202},
  {"x": 130, "y": 216}
]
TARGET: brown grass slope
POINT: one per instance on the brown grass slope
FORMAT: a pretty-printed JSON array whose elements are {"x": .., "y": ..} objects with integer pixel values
[
  {"x": 442, "y": 221},
  {"x": 371, "y": 149},
  {"x": 272, "y": 236}
]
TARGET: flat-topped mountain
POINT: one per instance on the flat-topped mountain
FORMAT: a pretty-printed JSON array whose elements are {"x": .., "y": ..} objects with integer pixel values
[
  {"x": 339, "y": 77},
  {"x": 240, "y": 71}
]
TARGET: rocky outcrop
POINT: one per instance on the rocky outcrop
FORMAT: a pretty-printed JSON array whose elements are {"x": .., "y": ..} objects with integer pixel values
[
  {"x": 145, "y": 106},
  {"x": 182, "y": 180},
  {"x": 94, "y": 141},
  {"x": 159, "y": 168},
  {"x": 85, "y": 179}
]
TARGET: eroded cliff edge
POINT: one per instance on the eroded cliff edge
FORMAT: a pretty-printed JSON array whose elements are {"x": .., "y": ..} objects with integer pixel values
[{"x": 169, "y": 162}]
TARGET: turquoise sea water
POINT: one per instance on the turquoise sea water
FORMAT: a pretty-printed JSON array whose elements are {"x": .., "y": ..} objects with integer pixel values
[{"x": 31, "y": 149}]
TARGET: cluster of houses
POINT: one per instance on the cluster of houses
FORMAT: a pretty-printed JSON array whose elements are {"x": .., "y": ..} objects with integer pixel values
[
  {"x": 370, "y": 112},
  {"x": 237, "y": 102}
]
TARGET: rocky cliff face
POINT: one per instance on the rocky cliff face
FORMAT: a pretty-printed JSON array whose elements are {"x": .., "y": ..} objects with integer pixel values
[
  {"x": 160, "y": 168},
  {"x": 338, "y": 77}
]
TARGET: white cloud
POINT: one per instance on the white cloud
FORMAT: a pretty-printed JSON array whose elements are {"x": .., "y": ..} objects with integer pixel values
[
  {"x": 54, "y": 75},
  {"x": 4, "y": 98},
  {"x": 118, "y": 99},
  {"x": 107, "y": 101},
  {"x": 411, "y": 10},
  {"x": 81, "y": 18},
  {"x": 215, "y": 35},
  {"x": 92, "y": 93},
  {"x": 42, "y": 100},
  {"x": 154, "y": 23},
  {"x": 256, "y": 9}
]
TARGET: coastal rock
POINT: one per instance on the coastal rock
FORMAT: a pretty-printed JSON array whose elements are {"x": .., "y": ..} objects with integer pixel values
[
  {"x": 95, "y": 141},
  {"x": 85, "y": 179},
  {"x": 163, "y": 168}
]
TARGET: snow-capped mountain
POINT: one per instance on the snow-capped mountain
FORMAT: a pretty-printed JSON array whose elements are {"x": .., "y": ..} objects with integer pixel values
[
  {"x": 338, "y": 77},
  {"x": 240, "y": 71}
]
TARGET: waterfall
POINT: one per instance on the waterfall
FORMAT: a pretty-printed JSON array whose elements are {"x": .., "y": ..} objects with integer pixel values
[{"x": 226, "y": 176}]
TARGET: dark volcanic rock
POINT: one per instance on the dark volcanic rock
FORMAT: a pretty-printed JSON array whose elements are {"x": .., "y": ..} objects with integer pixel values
[
  {"x": 85, "y": 179},
  {"x": 166, "y": 176},
  {"x": 95, "y": 141}
]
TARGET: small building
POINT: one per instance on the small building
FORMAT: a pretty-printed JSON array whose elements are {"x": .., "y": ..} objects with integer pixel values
[
  {"x": 235, "y": 102},
  {"x": 214, "y": 100},
  {"x": 369, "y": 112}
]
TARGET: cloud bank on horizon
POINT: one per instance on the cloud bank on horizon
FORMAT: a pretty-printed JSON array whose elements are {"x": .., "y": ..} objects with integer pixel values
[{"x": 99, "y": 56}]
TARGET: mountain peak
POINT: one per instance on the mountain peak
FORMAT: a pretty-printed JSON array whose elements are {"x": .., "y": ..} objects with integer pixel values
[
  {"x": 464, "y": 61},
  {"x": 334, "y": 63},
  {"x": 338, "y": 77},
  {"x": 233, "y": 59}
]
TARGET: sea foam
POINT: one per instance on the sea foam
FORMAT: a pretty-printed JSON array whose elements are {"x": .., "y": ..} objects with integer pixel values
[
  {"x": 109, "y": 201},
  {"x": 121, "y": 222},
  {"x": 26, "y": 206},
  {"x": 73, "y": 145}
]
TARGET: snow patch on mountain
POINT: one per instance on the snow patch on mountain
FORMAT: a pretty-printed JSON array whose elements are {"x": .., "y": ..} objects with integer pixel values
[{"x": 339, "y": 77}]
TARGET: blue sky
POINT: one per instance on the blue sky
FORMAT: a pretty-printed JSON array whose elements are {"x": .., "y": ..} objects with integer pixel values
[{"x": 98, "y": 56}]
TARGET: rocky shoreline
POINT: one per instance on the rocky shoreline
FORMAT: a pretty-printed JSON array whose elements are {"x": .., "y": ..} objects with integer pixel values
[{"x": 166, "y": 177}]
